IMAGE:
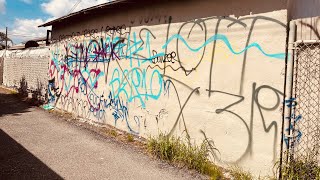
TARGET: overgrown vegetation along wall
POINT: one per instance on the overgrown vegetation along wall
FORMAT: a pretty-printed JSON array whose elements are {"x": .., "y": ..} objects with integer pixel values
[
  {"x": 147, "y": 71},
  {"x": 27, "y": 68}
]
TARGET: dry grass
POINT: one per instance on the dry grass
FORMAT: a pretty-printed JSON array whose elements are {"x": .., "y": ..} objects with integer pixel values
[
  {"x": 239, "y": 173},
  {"x": 130, "y": 138},
  {"x": 177, "y": 151},
  {"x": 113, "y": 133}
]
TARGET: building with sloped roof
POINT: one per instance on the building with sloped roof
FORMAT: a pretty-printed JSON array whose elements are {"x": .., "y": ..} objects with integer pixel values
[{"x": 217, "y": 70}]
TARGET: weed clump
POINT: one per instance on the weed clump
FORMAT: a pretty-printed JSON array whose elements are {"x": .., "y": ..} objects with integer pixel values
[
  {"x": 177, "y": 151},
  {"x": 23, "y": 88},
  {"x": 238, "y": 173},
  {"x": 113, "y": 133},
  {"x": 130, "y": 138},
  {"x": 301, "y": 169}
]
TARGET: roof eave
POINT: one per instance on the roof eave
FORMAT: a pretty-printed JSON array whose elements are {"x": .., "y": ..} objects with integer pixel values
[{"x": 80, "y": 12}]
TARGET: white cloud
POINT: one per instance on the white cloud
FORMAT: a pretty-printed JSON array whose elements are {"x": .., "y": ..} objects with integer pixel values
[
  {"x": 27, "y": 1},
  {"x": 58, "y": 8},
  {"x": 2, "y": 6},
  {"x": 25, "y": 29}
]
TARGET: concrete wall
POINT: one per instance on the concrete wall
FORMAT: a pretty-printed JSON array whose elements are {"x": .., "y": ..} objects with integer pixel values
[
  {"x": 180, "y": 68},
  {"x": 30, "y": 64}
]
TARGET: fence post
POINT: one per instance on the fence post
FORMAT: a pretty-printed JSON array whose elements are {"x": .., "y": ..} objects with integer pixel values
[{"x": 288, "y": 85}]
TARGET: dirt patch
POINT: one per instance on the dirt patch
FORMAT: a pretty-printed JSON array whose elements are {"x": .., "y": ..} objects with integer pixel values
[
  {"x": 103, "y": 129},
  {"x": 12, "y": 91}
]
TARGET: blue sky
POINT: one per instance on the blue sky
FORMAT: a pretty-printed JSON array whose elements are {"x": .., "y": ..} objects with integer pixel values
[
  {"x": 19, "y": 9},
  {"x": 23, "y": 16}
]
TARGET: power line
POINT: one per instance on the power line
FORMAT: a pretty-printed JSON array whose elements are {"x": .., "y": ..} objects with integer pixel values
[
  {"x": 74, "y": 6},
  {"x": 15, "y": 34},
  {"x": 18, "y": 34}
]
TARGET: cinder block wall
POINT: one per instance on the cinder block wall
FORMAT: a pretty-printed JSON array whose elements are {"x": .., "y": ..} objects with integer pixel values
[
  {"x": 29, "y": 66},
  {"x": 211, "y": 66}
]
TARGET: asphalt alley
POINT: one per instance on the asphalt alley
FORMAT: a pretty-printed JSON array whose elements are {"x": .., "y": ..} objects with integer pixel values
[{"x": 35, "y": 144}]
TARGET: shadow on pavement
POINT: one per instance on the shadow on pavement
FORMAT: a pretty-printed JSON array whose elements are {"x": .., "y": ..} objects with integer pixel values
[
  {"x": 11, "y": 104},
  {"x": 16, "y": 162}
]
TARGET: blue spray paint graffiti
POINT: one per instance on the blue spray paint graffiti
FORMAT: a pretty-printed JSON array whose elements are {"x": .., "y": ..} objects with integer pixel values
[
  {"x": 226, "y": 41},
  {"x": 294, "y": 134}
]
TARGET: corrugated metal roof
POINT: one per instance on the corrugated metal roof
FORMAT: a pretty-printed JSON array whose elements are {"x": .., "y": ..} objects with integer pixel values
[{"x": 110, "y": 4}]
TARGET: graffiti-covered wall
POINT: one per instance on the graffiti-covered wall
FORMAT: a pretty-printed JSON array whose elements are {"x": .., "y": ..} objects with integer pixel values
[
  {"x": 28, "y": 67},
  {"x": 150, "y": 71}
]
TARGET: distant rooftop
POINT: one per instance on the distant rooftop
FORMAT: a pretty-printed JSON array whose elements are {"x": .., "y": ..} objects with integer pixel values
[{"x": 36, "y": 39}]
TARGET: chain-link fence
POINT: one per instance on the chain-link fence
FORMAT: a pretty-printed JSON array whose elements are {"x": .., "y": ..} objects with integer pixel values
[{"x": 302, "y": 135}]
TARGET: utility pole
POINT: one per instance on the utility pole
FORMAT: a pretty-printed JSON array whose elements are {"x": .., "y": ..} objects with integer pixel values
[{"x": 6, "y": 37}]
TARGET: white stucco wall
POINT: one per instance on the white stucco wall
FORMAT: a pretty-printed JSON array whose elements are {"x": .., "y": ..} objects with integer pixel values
[{"x": 113, "y": 77}]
